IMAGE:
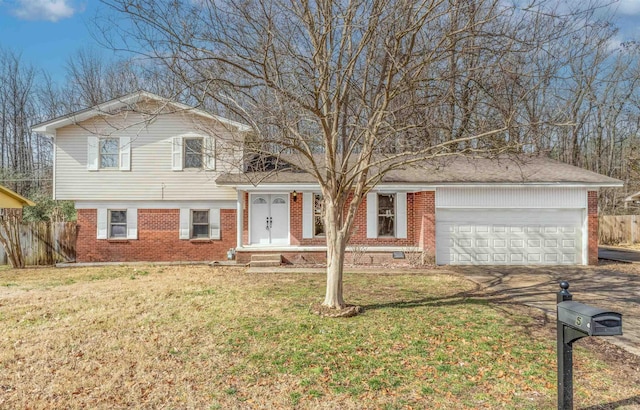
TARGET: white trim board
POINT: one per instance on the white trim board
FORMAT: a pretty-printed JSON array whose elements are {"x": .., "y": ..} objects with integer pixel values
[{"x": 157, "y": 204}]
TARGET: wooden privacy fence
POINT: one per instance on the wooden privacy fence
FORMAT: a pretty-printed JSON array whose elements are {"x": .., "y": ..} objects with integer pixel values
[
  {"x": 615, "y": 229},
  {"x": 46, "y": 243}
]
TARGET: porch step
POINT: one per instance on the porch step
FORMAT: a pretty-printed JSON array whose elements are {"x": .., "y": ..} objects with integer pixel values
[{"x": 263, "y": 260}]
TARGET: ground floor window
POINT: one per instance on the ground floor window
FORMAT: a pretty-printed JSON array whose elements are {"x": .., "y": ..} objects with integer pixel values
[
  {"x": 386, "y": 215},
  {"x": 199, "y": 224},
  {"x": 117, "y": 223},
  {"x": 318, "y": 220}
]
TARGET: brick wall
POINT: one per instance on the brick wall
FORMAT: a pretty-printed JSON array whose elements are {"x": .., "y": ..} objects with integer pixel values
[
  {"x": 158, "y": 239},
  {"x": 421, "y": 228},
  {"x": 592, "y": 216}
]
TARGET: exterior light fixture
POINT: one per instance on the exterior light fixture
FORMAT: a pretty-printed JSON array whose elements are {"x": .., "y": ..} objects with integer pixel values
[{"x": 295, "y": 196}]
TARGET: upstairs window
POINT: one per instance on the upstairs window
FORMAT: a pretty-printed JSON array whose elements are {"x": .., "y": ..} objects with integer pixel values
[
  {"x": 109, "y": 152},
  {"x": 386, "y": 215},
  {"x": 193, "y": 152}
]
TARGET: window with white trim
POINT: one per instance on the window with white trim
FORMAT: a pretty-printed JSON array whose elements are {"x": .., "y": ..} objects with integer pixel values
[
  {"x": 386, "y": 215},
  {"x": 117, "y": 223},
  {"x": 199, "y": 224},
  {"x": 193, "y": 152},
  {"x": 109, "y": 152},
  {"x": 318, "y": 219}
]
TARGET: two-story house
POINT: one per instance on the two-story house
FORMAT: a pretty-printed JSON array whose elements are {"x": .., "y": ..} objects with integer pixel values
[
  {"x": 142, "y": 173},
  {"x": 155, "y": 180}
]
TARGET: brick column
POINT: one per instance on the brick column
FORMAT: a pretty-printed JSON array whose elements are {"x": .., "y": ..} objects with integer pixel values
[
  {"x": 592, "y": 221},
  {"x": 426, "y": 212}
]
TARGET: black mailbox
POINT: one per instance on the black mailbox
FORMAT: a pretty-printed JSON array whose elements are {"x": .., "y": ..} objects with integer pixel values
[{"x": 590, "y": 319}]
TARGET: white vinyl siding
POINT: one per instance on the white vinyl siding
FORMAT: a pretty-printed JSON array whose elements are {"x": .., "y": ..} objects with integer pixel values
[{"x": 150, "y": 177}]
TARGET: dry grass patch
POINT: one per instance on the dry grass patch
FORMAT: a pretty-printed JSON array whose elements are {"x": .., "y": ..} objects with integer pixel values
[{"x": 201, "y": 337}]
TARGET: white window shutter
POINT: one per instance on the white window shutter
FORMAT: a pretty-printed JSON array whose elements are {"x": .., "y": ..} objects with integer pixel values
[
  {"x": 125, "y": 154},
  {"x": 209, "y": 153},
  {"x": 103, "y": 223},
  {"x": 401, "y": 215},
  {"x": 214, "y": 223},
  {"x": 92, "y": 153},
  {"x": 185, "y": 222},
  {"x": 307, "y": 215},
  {"x": 176, "y": 153},
  {"x": 372, "y": 215},
  {"x": 132, "y": 223}
]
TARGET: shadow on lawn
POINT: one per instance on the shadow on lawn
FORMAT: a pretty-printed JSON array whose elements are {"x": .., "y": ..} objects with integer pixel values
[
  {"x": 458, "y": 299},
  {"x": 615, "y": 404},
  {"x": 539, "y": 284}
]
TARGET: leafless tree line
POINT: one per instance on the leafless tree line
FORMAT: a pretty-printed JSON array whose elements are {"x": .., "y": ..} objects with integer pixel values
[{"x": 556, "y": 81}]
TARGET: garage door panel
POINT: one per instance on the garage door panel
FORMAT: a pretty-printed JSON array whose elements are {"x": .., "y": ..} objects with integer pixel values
[
  {"x": 500, "y": 258},
  {"x": 499, "y": 243},
  {"x": 531, "y": 237},
  {"x": 482, "y": 243}
]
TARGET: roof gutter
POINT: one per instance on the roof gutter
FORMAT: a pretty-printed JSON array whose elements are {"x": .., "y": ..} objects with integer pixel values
[{"x": 422, "y": 186}]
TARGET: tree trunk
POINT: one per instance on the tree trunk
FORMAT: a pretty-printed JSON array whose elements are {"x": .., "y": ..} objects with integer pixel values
[{"x": 336, "y": 245}]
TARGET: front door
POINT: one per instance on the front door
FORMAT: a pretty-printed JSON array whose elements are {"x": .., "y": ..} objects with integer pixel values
[{"x": 269, "y": 219}]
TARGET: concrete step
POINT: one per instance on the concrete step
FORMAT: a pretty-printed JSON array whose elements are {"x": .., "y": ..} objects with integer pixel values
[
  {"x": 266, "y": 257},
  {"x": 264, "y": 264}
]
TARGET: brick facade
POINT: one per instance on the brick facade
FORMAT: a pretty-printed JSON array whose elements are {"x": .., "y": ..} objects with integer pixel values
[
  {"x": 592, "y": 222},
  {"x": 158, "y": 239},
  {"x": 421, "y": 232}
]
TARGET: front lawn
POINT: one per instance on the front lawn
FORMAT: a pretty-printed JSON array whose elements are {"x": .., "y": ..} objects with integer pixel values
[{"x": 206, "y": 338}]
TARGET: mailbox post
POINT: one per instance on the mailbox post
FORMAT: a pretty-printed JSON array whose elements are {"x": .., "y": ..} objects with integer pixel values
[{"x": 575, "y": 321}]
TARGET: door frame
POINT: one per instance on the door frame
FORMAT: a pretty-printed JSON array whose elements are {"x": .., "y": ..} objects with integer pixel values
[{"x": 250, "y": 216}]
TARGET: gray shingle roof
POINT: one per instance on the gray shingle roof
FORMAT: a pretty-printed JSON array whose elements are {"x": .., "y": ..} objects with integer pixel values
[{"x": 455, "y": 171}]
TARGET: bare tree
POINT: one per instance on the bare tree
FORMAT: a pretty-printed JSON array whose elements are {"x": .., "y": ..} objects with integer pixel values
[{"x": 350, "y": 89}]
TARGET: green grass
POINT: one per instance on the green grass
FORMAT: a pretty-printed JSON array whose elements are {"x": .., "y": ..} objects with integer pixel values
[{"x": 200, "y": 337}]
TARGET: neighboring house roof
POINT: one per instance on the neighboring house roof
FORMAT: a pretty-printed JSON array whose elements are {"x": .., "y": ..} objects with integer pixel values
[
  {"x": 10, "y": 199},
  {"x": 633, "y": 197},
  {"x": 129, "y": 100},
  {"x": 455, "y": 170}
]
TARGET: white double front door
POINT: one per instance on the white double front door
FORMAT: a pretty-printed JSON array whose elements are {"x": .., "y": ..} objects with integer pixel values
[{"x": 269, "y": 214}]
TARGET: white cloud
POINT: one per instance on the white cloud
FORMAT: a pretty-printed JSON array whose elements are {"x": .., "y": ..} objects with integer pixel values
[
  {"x": 49, "y": 10},
  {"x": 628, "y": 7}
]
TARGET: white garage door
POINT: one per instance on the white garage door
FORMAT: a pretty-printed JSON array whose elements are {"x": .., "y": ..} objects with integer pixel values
[{"x": 508, "y": 236}]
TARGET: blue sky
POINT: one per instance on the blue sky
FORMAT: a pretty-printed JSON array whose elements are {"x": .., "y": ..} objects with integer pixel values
[{"x": 48, "y": 32}]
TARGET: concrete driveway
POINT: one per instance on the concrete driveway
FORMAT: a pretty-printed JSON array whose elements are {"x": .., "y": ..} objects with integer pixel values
[
  {"x": 611, "y": 285},
  {"x": 618, "y": 254}
]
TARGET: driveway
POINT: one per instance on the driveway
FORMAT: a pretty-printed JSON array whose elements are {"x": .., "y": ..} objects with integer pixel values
[
  {"x": 614, "y": 286},
  {"x": 618, "y": 254}
]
